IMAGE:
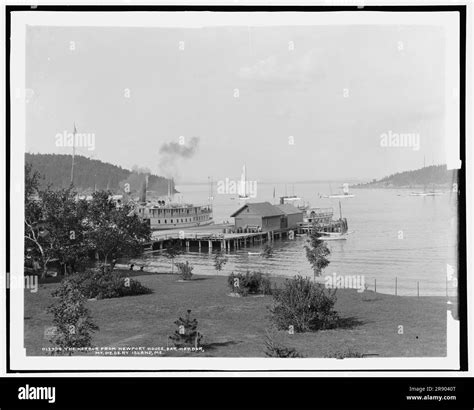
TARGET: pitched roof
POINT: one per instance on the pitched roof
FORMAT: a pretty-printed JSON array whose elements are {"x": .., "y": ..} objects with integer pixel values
[
  {"x": 289, "y": 209},
  {"x": 265, "y": 209}
]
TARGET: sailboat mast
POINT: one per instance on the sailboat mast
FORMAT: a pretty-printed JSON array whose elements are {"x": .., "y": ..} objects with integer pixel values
[{"x": 340, "y": 210}]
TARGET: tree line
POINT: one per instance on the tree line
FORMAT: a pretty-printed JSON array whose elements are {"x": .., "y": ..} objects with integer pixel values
[
  {"x": 91, "y": 174},
  {"x": 434, "y": 174}
]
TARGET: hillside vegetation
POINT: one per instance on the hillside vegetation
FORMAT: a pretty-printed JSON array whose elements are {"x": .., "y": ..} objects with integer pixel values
[
  {"x": 90, "y": 174},
  {"x": 434, "y": 175}
]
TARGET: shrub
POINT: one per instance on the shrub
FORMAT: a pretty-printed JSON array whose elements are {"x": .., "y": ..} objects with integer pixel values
[
  {"x": 267, "y": 251},
  {"x": 346, "y": 352},
  {"x": 305, "y": 305},
  {"x": 277, "y": 349},
  {"x": 173, "y": 249},
  {"x": 72, "y": 322},
  {"x": 250, "y": 283},
  {"x": 185, "y": 270},
  {"x": 106, "y": 284},
  {"x": 187, "y": 334},
  {"x": 219, "y": 261}
]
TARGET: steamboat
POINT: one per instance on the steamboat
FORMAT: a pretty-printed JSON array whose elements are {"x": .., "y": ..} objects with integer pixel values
[
  {"x": 166, "y": 214},
  {"x": 321, "y": 219}
]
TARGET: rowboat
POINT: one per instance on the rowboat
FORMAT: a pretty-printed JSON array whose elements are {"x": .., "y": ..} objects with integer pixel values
[{"x": 334, "y": 236}]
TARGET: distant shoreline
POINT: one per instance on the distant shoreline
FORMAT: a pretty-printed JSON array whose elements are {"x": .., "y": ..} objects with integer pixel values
[{"x": 391, "y": 186}]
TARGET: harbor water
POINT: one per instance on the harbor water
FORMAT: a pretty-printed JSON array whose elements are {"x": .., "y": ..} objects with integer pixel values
[{"x": 396, "y": 240}]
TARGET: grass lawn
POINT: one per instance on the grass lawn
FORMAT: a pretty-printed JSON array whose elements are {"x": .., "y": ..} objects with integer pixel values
[{"x": 235, "y": 327}]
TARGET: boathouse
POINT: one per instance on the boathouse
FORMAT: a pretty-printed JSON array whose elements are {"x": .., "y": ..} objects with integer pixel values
[
  {"x": 292, "y": 216},
  {"x": 261, "y": 216}
]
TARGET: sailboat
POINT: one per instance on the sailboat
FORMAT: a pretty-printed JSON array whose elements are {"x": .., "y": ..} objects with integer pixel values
[
  {"x": 289, "y": 198},
  {"x": 242, "y": 190}
]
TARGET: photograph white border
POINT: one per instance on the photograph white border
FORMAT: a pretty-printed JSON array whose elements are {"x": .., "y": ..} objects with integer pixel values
[{"x": 19, "y": 361}]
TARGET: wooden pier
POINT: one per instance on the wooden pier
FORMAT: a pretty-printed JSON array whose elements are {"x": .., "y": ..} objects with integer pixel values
[{"x": 214, "y": 238}]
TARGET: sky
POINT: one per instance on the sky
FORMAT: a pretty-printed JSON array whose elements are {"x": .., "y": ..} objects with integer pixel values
[{"x": 292, "y": 103}]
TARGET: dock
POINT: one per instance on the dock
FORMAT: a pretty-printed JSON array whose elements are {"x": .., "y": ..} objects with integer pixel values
[{"x": 219, "y": 236}]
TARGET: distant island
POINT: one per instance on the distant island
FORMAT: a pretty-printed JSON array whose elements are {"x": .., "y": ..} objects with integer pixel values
[
  {"x": 92, "y": 174},
  {"x": 434, "y": 176}
]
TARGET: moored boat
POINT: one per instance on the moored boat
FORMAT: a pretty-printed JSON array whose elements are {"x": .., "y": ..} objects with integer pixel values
[{"x": 165, "y": 214}]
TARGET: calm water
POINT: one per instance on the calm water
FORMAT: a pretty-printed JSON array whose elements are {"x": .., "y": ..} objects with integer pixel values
[{"x": 376, "y": 217}]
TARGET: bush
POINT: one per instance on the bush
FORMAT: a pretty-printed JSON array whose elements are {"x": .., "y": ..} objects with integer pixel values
[
  {"x": 187, "y": 334},
  {"x": 305, "y": 305},
  {"x": 277, "y": 349},
  {"x": 254, "y": 283},
  {"x": 219, "y": 261},
  {"x": 106, "y": 284},
  {"x": 346, "y": 352},
  {"x": 267, "y": 251},
  {"x": 72, "y": 322},
  {"x": 185, "y": 270}
]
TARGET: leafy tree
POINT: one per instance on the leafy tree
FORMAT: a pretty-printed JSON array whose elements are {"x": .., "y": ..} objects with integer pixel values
[
  {"x": 54, "y": 224},
  {"x": 114, "y": 231},
  {"x": 172, "y": 251},
  {"x": 187, "y": 334},
  {"x": 36, "y": 244},
  {"x": 317, "y": 252},
  {"x": 65, "y": 219},
  {"x": 72, "y": 322},
  {"x": 219, "y": 261}
]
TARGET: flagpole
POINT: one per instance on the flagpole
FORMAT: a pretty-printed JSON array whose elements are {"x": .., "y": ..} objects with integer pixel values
[{"x": 73, "y": 153}]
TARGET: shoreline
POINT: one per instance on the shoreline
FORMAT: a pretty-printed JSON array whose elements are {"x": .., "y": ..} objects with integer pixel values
[
  {"x": 446, "y": 187},
  {"x": 276, "y": 278}
]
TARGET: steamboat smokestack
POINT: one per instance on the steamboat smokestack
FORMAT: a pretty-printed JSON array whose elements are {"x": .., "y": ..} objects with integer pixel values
[{"x": 143, "y": 190}]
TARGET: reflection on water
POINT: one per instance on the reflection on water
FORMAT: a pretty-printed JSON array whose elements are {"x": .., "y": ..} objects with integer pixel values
[{"x": 395, "y": 236}]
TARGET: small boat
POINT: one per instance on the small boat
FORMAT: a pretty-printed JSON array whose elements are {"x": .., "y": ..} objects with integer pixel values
[
  {"x": 342, "y": 237},
  {"x": 345, "y": 193},
  {"x": 426, "y": 193},
  {"x": 341, "y": 196},
  {"x": 254, "y": 253},
  {"x": 334, "y": 236}
]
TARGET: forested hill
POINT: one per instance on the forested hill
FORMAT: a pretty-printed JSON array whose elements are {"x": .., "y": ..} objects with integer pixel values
[
  {"x": 434, "y": 175},
  {"x": 91, "y": 173}
]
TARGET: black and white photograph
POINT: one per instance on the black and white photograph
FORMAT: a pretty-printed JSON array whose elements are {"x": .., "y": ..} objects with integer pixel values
[{"x": 250, "y": 190}]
